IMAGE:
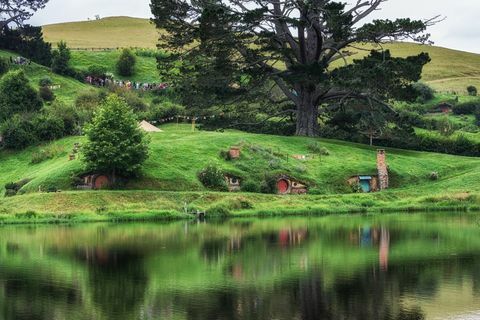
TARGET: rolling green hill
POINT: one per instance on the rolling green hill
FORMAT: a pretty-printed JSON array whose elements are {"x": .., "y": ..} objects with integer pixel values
[
  {"x": 177, "y": 155},
  {"x": 450, "y": 70},
  {"x": 68, "y": 88}
]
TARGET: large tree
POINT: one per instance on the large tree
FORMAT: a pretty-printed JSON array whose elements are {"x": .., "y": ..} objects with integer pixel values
[
  {"x": 18, "y": 11},
  {"x": 223, "y": 51}
]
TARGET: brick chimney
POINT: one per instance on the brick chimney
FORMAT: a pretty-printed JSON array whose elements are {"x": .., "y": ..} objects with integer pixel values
[{"x": 382, "y": 170}]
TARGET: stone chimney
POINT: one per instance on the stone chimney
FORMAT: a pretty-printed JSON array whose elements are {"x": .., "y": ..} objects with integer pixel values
[{"x": 382, "y": 170}]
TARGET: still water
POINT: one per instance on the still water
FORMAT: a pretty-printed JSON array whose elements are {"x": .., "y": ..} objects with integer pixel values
[{"x": 349, "y": 267}]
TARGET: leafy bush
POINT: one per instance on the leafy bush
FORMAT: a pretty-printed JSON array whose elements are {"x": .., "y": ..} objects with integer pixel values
[
  {"x": 250, "y": 186},
  {"x": 17, "y": 133},
  {"x": 48, "y": 127},
  {"x": 269, "y": 184},
  {"x": 46, "y": 94},
  {"x": 69, "y": 115},
  {"x": 466, "y": 107},
  {"x": 126, "y": 63},
  {"x": 472, "y": 91},
  {"x": 97, "y": 71},
  {"x": 445, "y": 126},
  {"x": 4, "y": 66},
  {"x": 165, "y": 110},
  {"x": 12, "y": 188},
  {"x": 423, "y": 91},
  {"x": 45, "y": 81},
  {"x": 434, "y": 176},
  {"x": 213, "y": 178},
  {"x": 17, "y": 95},
  {"x": 219, "y": 210}
]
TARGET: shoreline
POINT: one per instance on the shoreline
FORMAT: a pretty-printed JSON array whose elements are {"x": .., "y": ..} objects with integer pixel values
[{"x": 139, "y": 205}]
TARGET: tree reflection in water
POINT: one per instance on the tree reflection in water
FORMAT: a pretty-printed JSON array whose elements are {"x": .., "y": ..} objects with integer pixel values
[{"x": 343, "y": 268}]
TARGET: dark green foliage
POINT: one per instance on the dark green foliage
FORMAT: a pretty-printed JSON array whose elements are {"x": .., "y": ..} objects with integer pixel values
[
  {"x": 48, "y": 127},
  {"x": 472, "y": 91},
  {"x": 61, "y": 60},
  {"x": 28, "y": 42},
  {"x": 132, "y": 98},
  {"x": 116, "y": 145},
  {"x": 87, "y": 103},
  {"x": 126, "y": 63},
  {"x": 68, "y": 114},
  {"x": 17, "y": 95},
  {"x": 45, "y": 81},
  {"x": 250, "y": 186},
  {"x": 269, "y": 184},
  {"x": 433, "y": 176},
  {"x": 46, "y": 94},
  {"x": 4, "y": 66},
  {"x": 477, "y": 117},
  {"x": 97, "y": 71},
  {"x": 424, "y": 92},
  {"x": 164, "y": 110},
  {"x": 12, "y": 188},
  {"x": 466, "y": 107},
  {"x": 445, "y": 126},
  {"x": 17, "y": 133},
  {"x": 213, "y": 178}
]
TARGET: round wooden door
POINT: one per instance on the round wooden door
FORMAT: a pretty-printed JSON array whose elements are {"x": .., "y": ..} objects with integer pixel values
[{"x": 282, "y": 186}]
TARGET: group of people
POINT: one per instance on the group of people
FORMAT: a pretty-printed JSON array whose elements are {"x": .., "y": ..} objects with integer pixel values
[
  {"x": 130, "y": 85},
  {"x": 21, "y": 61}
]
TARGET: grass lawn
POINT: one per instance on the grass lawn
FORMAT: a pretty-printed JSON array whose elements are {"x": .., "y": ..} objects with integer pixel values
[{"x": 169, "y": 180}]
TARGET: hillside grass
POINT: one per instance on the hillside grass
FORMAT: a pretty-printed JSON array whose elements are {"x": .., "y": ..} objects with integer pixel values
[
  {"x": 112, "y": 32},
  {"x": 145, "y": 68},
  {"x": 170, "y": 182},
  {"x": 449, "y": 71},
  {"x": 69, "y": 87}
]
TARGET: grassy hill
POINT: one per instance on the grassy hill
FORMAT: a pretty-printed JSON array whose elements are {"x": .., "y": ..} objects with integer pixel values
[
  {"x": 450, "y": 70},
  {"x": 68, "y": 87},
  {"x": 113, "y": 32},
  {"x": 177, "y": 155}
]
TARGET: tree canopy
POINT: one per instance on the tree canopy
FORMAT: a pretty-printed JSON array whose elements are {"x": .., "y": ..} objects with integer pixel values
[
  {"x": 223, "y": 52},
  {"x": 18, "y": 11},
  {"x": 116, "y": 145}
]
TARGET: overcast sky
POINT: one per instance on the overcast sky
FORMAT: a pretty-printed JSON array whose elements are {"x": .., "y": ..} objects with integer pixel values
[{"x": 460, "y": 30}]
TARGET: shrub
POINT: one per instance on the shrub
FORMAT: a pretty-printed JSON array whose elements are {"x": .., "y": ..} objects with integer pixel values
[
  {"x": 357, "y": 188},
  {"x": 213, "y": 178},
  {"x": 445, "y": 126},
  {"x": 97, "y": 71},
  {"x": 68, "y": 114},
  {"x": 17, "y": 133},
  {"x": 48, "y": 127},
  {"x": 250, "y": 186},
  {"x": 434, "y": 176},
  {"x": 46, "y": 94},
  {"x": 126, "y": 63},
  {"x": 423, "y": 91},
  {"x": 4, "y": 66},
  {"x": 316, "y": 148},
  {"x": 17, "y": 95},
  {"x": 466, "y": 107},
  {"x": 472, "y": 91},
  {"x": 269, "y": 184},
  {"x": 13, "y": 188},
  {"x": 45, "y": 81},
  {"x": 219, "y": 210}
]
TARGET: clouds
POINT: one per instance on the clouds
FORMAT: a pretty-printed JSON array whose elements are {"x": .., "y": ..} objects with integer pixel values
[{"x": 460, "y": 30}]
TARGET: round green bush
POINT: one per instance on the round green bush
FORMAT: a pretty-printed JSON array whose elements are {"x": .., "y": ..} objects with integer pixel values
[
  {"x": 126, "y": 63},
  {"x": 251, "y": 186},
  {"x": 46, "y": 94},
  {"x": 45, "y": 81},
  {"x": 213, "y": 178}
]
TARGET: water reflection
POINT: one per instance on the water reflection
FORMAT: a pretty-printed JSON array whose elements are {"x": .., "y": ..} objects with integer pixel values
[{"x": 389, "y": 267}]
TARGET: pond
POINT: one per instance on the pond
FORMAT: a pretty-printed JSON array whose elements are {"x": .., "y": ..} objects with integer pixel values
[{"x": 424, "y": 266}]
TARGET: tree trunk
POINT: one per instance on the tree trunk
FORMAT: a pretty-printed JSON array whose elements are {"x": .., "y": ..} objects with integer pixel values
[{"x": 307, "y": 118}]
